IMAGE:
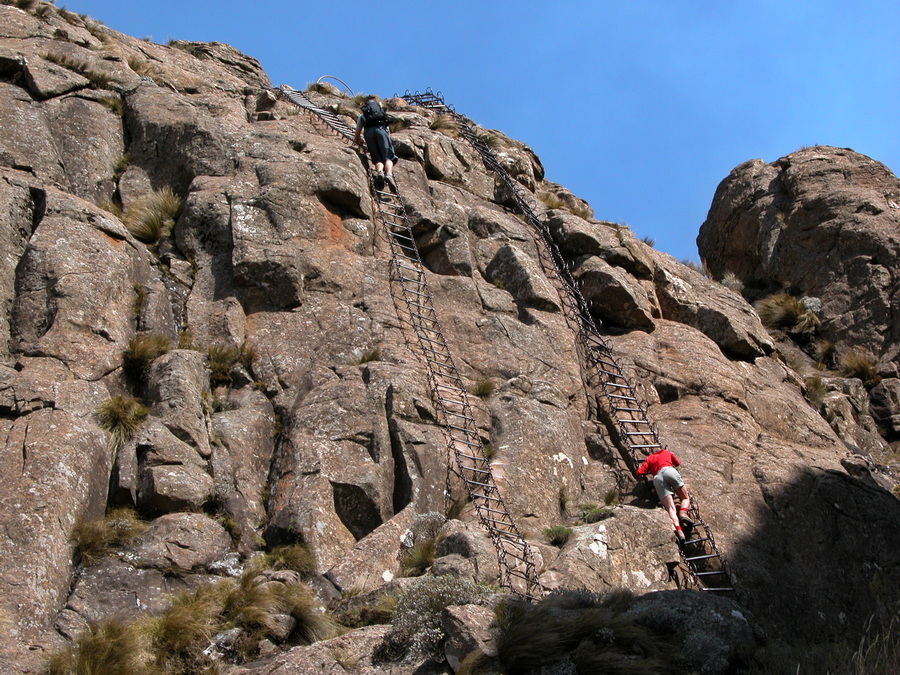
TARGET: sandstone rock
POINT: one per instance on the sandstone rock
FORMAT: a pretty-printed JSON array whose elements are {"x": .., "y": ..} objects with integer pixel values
[
  {"x": 179, "y": 541},
  {"x": 467, "y": 627},
  {"x": 685, "y": 296},
  {"x": 46, "y": 487},
  {"x": 519, "y": 274},
  {"x": 615, "y": 297},
  {"x": 715, "y": 633},
  {"x": 177, "y": 384},
  {"x": 818, "y": 221},
  {"x": 330, "y": 657}
]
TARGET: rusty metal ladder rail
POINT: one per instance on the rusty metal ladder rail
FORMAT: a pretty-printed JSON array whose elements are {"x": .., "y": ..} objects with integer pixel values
[
  {"x": 636, "y": 431},
  {"x": 518, "y": 572}
]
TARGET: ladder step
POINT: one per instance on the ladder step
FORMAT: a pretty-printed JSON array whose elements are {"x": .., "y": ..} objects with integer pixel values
[
  {"x": 702, "y": 557},
  {"x": 719, "y": 590},
  {"x": 709, "y": 574}
]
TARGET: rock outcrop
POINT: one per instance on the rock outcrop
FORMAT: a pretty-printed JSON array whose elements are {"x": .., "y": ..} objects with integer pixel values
[{"x": 284, "y": 404}]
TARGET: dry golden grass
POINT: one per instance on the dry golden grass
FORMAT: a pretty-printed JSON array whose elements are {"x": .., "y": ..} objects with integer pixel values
[
  {"x": 142, "y": 350},
  {"x": 152, "y": 217},
  {"x": 95, "y": 539},
  {"x": 861, "y": 363},
  {"x": 121, "y": 416}
]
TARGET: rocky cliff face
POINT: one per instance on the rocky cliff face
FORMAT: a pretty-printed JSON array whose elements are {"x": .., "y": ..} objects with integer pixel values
[{"x": 283, "y": 404}]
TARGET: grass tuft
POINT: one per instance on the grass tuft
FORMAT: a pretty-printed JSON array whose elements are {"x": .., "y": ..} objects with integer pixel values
[
  {"x": 483, "y": 388},
  {"x": 446, "y": 124},
  {"x": 558, "y": 535},
  {"x": 95, "y": 539},
  {"x": 784, "y": 311},
  {"x": 152, "y": 217},
  {"x": 108, "y": 648},
  {"x": 222, "y": 358},
  {"x": 83, "y": 68},
  {"x": 142, "y": 350},
  {"x": 296, "y": 557},
  {"x": 415, "y": 560},
  {"x": 858, "y": 362},
  {"x": 121, "y": 416},
  {"x": 582, "y": 632}
]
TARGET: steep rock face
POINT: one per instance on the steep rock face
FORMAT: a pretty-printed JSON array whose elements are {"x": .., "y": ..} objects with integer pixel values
[
  {"x": 321, "y": 429},
  {"x": 820, "y": 222}
]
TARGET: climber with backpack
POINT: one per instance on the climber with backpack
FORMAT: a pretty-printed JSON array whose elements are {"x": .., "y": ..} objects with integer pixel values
[{"x": 372, "y": 131}]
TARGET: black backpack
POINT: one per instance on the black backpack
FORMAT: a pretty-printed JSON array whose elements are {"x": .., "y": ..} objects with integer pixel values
[{"x": 373, "y": 114}]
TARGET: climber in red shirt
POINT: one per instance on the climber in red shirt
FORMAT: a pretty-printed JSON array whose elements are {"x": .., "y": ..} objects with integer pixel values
[{"x": 660, "y": 465}]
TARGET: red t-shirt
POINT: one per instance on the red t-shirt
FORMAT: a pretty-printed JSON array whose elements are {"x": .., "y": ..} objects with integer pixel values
[{"x": 657, "y": 461}]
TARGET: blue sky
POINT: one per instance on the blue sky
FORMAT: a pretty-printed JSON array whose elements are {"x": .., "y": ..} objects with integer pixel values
[{"x": 641, "y": 107}]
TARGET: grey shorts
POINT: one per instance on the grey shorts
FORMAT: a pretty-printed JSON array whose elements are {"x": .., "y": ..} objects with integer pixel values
[{"x": 666, "y": 481}]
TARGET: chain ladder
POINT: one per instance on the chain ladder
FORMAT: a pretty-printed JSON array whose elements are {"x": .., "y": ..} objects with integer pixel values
[
  {"x": 413, "y": 300},
  {"x": 636, "y": 434}
]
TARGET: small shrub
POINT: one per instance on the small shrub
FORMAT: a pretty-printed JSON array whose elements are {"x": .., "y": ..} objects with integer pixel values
[
  {"x": 142, "y": 67},
  {"x": 95, "y": 539},
  {"x": 857, "y": 362},
  {"x": 650, "y": 241},
  {"x": 483, "y": 388},
  {"x": 591, "y": 513},
  {"x": 152, "y": 217},
  {"x": 367, "y": 357},
  {"x": 416, "y": 624},
  {"x": 456, "y": 506},
  {"x": 558, "y": 535},
  {"x": 693, "y": 265},
  {"x": 108, "y": 648},
  {"x": 143, "y": 350},
  {"x": 612, "y": 497},
  {"x": 121, "y": 416},
  {"x": 319, "y": 88}
]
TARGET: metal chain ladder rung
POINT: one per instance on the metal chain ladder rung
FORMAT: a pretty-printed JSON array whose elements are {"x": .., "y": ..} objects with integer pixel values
[
  {"x": 705, "y": 565},
  {"x": 516, "y": 560}
]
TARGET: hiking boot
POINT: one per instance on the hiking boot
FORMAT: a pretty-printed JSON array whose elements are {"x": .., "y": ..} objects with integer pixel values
[
  {"x": 379, "y": 179},
  {"x": 389, "y": 178},
  {"x": 686, "y": 522}
]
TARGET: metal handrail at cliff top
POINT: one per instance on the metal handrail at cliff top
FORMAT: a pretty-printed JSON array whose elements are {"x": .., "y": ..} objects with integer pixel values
[
  {"x": 412, "y": 297},
  {"x": 636, "y": 434}
]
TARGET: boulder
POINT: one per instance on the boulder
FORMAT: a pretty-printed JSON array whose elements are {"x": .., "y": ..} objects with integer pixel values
[{"x": 179, "y": 542}]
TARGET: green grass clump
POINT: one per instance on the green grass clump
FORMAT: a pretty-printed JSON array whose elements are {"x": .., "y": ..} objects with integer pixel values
[
  {"x": 153, "y": 216},
  {"x": 143, "y": 350},
  {"x": 558, "y": 535},
  {"x": 858, "y": 362},
  {"x": 95, "y": 539},
  {"x": 121, "y": 416},
  {"x": 591, "y": 513},
  {"x": 815, "y": 390}
]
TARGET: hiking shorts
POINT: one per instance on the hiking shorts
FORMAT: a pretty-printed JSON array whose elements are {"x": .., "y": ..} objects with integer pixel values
[
  {"x": 666, "y": 481},
  {"x": 381, "y": 148}
]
